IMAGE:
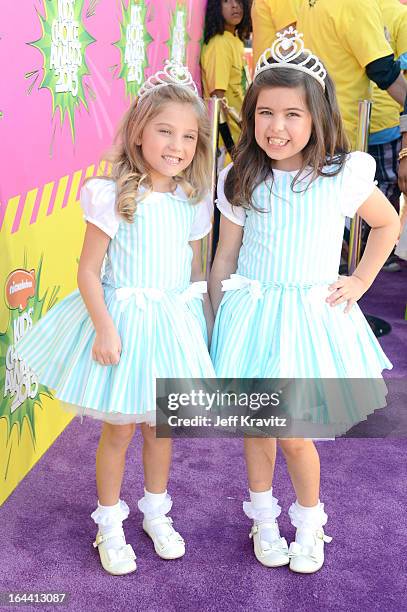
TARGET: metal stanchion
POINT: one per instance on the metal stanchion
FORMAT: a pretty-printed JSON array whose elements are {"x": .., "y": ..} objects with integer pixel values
[
  {"x": 362, "y": 139},
  {"x": 379, "y": 326},
  {"x": 214, "y": 105}
]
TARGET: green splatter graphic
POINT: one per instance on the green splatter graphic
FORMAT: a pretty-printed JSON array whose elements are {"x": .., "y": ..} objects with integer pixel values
[
  {"x": 133, "y": 46},
  {"x": 10, "y": 407},
  {"x": 63, "y": 44},
  {"x": 179, "y": 38}
]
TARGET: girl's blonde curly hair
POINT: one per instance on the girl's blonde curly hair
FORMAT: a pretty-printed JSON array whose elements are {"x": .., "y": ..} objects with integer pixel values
[{"x": 129, "y": 169}]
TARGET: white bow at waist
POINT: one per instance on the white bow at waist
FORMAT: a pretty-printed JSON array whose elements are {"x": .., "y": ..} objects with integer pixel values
[
  {"x": 316, "y": 291},
  {"x": 142, "y": 294},
  {"x": 236, "y": 281}
]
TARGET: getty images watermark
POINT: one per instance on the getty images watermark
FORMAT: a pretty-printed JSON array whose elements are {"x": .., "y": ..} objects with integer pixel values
[
  {"x": 287, "y": 408},
  {"x": 218, "y": 400}
]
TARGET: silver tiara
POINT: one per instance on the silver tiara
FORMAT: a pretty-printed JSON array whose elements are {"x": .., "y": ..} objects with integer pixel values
[
  {"x": 286, "y": 48},
  {"x": 172, "y": 74}
]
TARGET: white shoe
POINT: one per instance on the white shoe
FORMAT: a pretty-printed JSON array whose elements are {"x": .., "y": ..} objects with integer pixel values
[
  {"x": 169, "y": 546},
  {"x": 270, "y": 554},
  {"x": 307, "y": 559},
  {"x": 116, "y": 561}
]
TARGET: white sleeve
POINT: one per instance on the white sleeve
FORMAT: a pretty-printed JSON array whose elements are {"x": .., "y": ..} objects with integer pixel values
[
  {"x": 98, "y": 201},
  {"x": 202, "y": 223},
  {"x": 237, "y": 214},
  {"x": 358, "y": 181}
]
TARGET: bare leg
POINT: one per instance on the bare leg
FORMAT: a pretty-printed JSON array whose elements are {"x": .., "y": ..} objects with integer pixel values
[
  {"x": 110, "y": 461},
  {"x": 156, "y": 460},
  {"x": 304, "y": 468},
  {"x": 260, "y": 461},
  {"x": 155, "y": 504}
]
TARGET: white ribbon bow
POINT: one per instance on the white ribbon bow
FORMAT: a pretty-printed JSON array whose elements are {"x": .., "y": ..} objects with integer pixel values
[
  {"x": 296, "y": 550},
  {"x": 279, "y": 545},
  {"x": 142, "y": 294},
  {"x": 195, "y": 290},
  {"x": 125, "y": 553},
  {"x": 311, "y": 552},
  {"x": 236, "y": 281}
]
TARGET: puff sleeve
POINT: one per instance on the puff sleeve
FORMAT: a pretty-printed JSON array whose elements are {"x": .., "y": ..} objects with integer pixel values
[
  {"x": 236, "y": 214},
  {"x": 98, "y": 201},
  {"x": 202, "y": 222},
  {"x": 358, "y": 181}
]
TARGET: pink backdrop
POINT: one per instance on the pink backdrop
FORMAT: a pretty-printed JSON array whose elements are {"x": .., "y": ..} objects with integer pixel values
[{"x": 27, "y": 130}]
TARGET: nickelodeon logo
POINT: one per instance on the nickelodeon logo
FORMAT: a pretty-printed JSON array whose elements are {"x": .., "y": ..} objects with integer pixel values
[{"x": 20, "y": 286}]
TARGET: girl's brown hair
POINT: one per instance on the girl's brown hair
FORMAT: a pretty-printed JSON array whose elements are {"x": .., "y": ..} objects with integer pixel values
[
  {"x": 325, "y": 153},
  {"x": 129, "y": 169}
]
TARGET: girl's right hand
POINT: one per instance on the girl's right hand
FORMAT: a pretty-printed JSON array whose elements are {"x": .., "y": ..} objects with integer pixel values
[{"x": 107, "y": 347}]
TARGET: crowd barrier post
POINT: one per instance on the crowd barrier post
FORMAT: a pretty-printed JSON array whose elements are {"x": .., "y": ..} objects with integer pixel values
[
  {"x": 214, "y": 107},
  {"x": 362, "y": 138}
]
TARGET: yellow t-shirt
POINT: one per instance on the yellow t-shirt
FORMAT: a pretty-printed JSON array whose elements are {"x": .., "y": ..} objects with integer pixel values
[
  {"x": 268, "y": 17},
  {"x": 386, "y": 111},
  {"x": 346, "y": 35},
  {"x": 222, "y": 63}
]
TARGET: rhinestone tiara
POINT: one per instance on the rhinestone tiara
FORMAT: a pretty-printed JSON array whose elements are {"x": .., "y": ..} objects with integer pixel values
[
  {"x": 286, "y": 48},
  {"x": 172, "y": 74}
]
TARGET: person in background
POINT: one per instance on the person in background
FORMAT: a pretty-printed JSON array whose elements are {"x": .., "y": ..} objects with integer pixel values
[
  {"x": 385, "y": 136},
  {"x": 349, "y": 38},
  {"x": 227, "y": 23},
  {"x": 269, "y": 17}
]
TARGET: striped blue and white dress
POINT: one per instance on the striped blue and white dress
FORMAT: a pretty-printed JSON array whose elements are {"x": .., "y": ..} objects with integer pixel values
[
  {"x": 273, "y": 321},
  {"x": 157, "y": 311}
]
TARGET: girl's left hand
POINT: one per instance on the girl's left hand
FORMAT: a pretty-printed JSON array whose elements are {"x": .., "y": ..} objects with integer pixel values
[{"x": 346, "y": 289}]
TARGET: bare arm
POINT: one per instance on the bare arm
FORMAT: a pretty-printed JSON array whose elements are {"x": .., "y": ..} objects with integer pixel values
[
  {"x": 398, "y": 89},
  {"x": 198, "y": 275},
  {"x": 225, "y": 263},
  {"x": 219, "y": 93},
  {"x": 382, "y": 218},
  {"x": 402, "y": 172},
  {"x": 107, "y": 346}
]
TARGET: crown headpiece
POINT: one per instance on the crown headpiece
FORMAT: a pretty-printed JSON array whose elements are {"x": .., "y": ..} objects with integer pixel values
[
  {"x": 173, "y": 73},
  {"x": 284, "y": 50}
]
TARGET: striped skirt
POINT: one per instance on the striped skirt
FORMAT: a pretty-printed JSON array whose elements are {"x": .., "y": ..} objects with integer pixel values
[
  {"x": 272, "y": 330},
  {"x": 163, "y": 335}
]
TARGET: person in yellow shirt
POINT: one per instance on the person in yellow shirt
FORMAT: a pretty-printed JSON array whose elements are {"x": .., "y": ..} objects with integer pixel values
[
  {"x": 385, "y": 137},
  {"x": 227, "y": 22},
  {"x": 268, "y": 18},
  {"x": 349, "y": 38}
]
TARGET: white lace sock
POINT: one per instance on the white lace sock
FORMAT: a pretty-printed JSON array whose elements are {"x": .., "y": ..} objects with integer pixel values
[
  {"x": 108, "y": 518},
  {"x": 154, "y": 505},
  {"x": 307, "y": 519},
  {"x": 264, "y": 507}
]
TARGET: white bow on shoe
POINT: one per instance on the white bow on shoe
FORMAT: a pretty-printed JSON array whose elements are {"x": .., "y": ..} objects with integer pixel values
[
  {"x": 170, "y": 545},
  {"x": 270, "y": 554},
  {"x": 307, "y": 559},
  {"x": 116, "y": 561}
]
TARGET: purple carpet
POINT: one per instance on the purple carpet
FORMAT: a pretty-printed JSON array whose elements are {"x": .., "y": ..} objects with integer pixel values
[{"x": 46, "y": 531}]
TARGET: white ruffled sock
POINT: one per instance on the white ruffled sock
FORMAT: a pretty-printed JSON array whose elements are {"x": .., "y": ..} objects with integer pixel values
[
  {"x": 109, "y": 518},
  {"x": 307, "y": 519},
  {"x": 261, "y": 502},
  {"x": 154, "y": 507}
]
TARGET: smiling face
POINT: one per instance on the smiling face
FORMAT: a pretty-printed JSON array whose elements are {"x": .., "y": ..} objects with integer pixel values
[
  {"x": 168, "y": 143},
  {"x": 283, "y": 125},
  {"x": 232, "y": 13}
]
